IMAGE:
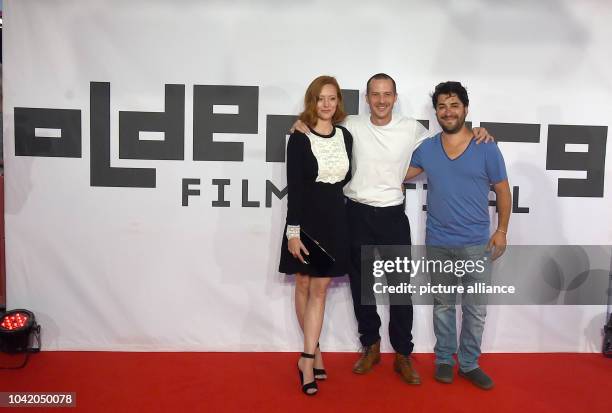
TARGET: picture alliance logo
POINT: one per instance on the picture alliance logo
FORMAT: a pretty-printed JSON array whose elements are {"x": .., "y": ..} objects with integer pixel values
[{"x": 235, "y": 110}]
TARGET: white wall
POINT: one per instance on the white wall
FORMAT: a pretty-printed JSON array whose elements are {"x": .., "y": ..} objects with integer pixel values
[{"x": 132, "y": 269}]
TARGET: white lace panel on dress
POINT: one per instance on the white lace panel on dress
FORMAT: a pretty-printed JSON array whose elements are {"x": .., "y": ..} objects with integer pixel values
[{"x": 331, "y": 157}]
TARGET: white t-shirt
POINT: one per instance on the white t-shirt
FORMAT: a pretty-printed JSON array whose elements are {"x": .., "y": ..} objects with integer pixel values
[{"x": 381, "y": 156}]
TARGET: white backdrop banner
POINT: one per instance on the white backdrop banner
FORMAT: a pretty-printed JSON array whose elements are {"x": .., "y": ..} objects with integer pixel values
[{"x": 144, "y": 148}]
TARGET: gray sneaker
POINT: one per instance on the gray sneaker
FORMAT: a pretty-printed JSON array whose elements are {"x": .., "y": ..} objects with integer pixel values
[
  {"x": 444, "y": 373},
  {"x": 478, "y": 377}
]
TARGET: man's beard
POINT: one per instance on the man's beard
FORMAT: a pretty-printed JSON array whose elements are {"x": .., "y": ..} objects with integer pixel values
[{"x": 455, "y": 129}]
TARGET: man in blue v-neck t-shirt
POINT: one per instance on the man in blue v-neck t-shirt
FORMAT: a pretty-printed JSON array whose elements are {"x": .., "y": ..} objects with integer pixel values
[{"x": 459, "y": 176}]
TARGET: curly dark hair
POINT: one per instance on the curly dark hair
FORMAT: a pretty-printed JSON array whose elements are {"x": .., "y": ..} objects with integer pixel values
[{"x": 450, "y": 88}]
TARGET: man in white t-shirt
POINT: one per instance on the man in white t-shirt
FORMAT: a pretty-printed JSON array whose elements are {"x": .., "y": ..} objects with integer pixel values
[{"x": 382, "y": 148}]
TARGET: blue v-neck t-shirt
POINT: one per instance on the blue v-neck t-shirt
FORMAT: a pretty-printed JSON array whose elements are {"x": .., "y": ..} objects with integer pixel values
[{"x": 458, "y": 191}]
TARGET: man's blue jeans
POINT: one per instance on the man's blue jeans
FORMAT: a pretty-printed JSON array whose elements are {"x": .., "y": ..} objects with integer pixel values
[{"x": 474, "y": 309}]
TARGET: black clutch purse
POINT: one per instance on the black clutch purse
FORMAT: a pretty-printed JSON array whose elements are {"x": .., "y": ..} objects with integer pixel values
[{"x": 320, "y": 259}]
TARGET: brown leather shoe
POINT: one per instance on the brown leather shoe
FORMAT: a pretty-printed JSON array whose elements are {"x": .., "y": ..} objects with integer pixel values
[
  {"x": 370, "y": 356},
  {"x": 403, "y": 366}
]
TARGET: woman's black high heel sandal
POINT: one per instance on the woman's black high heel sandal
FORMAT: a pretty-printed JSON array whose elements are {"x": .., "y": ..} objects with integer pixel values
[
  {"x": 319, "y": 374},
  {"x": 307, "y": 388}
]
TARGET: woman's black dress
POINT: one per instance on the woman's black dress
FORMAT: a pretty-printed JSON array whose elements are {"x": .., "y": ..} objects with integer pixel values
[{"x": 315, "y": 200}]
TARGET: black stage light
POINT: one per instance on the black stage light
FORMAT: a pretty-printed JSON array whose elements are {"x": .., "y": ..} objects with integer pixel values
[
  {"x": 17, "y": 330},
  {"x": 607, "y": 341},
  {"x": 607, "y": 344}
]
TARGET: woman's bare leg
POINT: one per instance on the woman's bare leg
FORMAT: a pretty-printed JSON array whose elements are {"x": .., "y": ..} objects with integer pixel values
[{"x": 313, "y": 322}]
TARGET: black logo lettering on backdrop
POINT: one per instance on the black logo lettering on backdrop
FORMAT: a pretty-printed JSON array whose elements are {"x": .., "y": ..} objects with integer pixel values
[{"x": 206, "y": 122}]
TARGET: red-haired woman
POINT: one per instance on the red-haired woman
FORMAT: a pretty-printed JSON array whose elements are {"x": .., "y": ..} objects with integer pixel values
[{"x": 318, "y": 166}]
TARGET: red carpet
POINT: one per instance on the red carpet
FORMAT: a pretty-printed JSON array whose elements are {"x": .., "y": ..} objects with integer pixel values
[{"x": 254, "y": 382}]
